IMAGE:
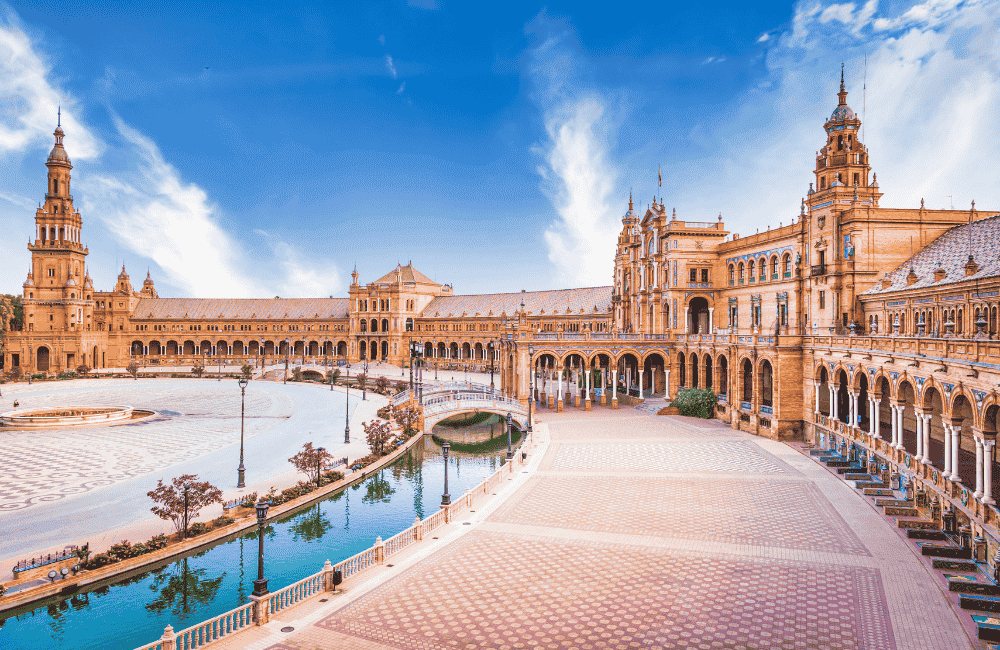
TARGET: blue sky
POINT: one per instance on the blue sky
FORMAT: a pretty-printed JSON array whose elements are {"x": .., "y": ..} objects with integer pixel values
[{"x": 265, "y": 148}]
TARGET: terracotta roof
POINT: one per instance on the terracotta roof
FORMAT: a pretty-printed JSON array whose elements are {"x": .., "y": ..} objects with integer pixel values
[
  {"x": 590, "y": 300},
  {"x": 407, "y": 274},
  {"x": 240, "y": 308},
  {"x": 950, "y": 252}
]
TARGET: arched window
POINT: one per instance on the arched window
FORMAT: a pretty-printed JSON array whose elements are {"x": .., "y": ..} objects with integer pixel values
[
  {"x": 751, "y": 270},
  {"x": 763, "y": 269},
  {"x": 409, "y": 324},
  {"x": 747, "y": 381},
  {"x": 774, "y": 267},
  {"x": 385, "y": 324},
  {"x": 732, "y": 274},
  {"x": 787, "y": 263},
  {"x": 742, "y": 273},
  {"x": 766, "y": 384},
  {"x": 364, "y": 325}
]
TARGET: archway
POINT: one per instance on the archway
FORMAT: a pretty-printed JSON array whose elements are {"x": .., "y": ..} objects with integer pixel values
[
  {"x": 42, "y": 361},
  {"x": 843, "y": 397},
  {"x": 724, "y": 376},
  {"x": 824, "y": 392},
  {"x": 962, "y": 423},
  {"x": 363, "y": 350},
  {"x": 933, "y": 406},
  {"x": 697, "y": 317},
  {"x": 628, "y": 367},
  {"x": 385, "y": 350},
  {"x": 136, "y": 349},
  {"x": 747, "y": 396},
  {"x": 709, "y": 383},
  {"x": 694, "y": 370},
  {"x": 681, "y": 370},
  {"x": 905, "y": 397},
  {"x": 766, "y": 384},
  {"x": 654, "y": 371}
]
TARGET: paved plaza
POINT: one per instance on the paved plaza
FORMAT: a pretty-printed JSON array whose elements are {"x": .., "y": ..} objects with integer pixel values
[
  {"x": 637, "y": 531},
  {"x": 80, "y": 484}
]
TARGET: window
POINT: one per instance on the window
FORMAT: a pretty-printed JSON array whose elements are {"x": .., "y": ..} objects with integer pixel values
[
  {"x": 752, "y": 269},
  {"x": 742, "y": 270},
  {"x": 763, "y": 269},
  {"x": 694, "y": 275},
  {"x": 822, "y": 300},
  {"x": 732, "y": 275},
  {"x": 704, "y": 275},
  {"x": 788, "y": 265},
  {"x": 52, "y": 273}
]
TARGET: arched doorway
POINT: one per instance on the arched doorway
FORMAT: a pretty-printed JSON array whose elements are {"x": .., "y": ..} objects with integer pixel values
[
  {"x": 905, "y": 398},
  {"x": 697, "y": 317},
  {"x": 766, "y": 385},
  {"x": 709, "y": 383},
  {"x": 42, "y": 361},
  {"x": 681, "y": 370},
  {"x": 724, "y": 376},
  {"x": 747, "y": 396},
  {"x": 843, "y": 399},
  {"x": 694, "y": 370}
]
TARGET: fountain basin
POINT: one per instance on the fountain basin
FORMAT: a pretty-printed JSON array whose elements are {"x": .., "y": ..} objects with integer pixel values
[{"x": 68, "y": 416}]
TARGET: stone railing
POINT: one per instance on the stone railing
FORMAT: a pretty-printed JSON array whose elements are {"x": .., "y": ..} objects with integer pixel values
[
  {"x": 981, "y": 351},
  {"x": 259, "y": 610}
]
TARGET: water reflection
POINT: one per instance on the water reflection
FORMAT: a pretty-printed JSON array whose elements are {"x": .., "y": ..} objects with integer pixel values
[{"x": 180, "y": 589}]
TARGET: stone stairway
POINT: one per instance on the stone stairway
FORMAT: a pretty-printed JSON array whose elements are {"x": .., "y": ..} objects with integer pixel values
[{"x": 976, "y": 592}]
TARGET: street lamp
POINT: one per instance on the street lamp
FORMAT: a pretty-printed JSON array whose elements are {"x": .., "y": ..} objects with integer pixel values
[
  {"x": 364, "y": 384},
  {"x": 263, "y": 356},
  {"x": 347, "y": 406},
  {"x": 260, "y": 584},
  {"x": 241, "y": 471},
  {"x": 531, "y": 382},
  {"x": 510, "y": 424},
  {"x": 284, "y": 378},
  {"x": 445, "y": 497},
  {"x": 319, "y": 460},
  {"x": 490, "y": 348}
]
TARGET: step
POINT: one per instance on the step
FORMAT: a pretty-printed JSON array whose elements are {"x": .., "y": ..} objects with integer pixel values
[
  {"x": 851, "y": 469},
  {"x": 923, "y": 524},
  {"x": 950, "y": 564},
  {"x": 923, "y": 533},
  {"x": 901, "y": 511},
  {"x": 867, "y": 485},
  {"x": 989, "y": 627},
  {"x": 876, "y": 492},
  {"x": 838, "y": 463},
  {"x": 942, "y": 550},
  {"x": 982, "y": 603},
  {"x": 820, "y": 452},
  {"x": 973, "y": 586},
  {"x": 900, "y": 503},
  {"x": 858, "y": 476}
]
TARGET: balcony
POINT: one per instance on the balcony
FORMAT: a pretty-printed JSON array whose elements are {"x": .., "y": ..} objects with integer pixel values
[{"x": 817, "y": 269}]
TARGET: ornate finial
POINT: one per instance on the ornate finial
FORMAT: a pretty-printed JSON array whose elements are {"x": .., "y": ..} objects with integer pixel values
[
  {"x": 841, "y": 76},
  {"x": 842, "y": 95},
  {"x": 630, "y": 199},
  {"x": 802, "y": 207},
  {"x": 921, "y": 203},
  {"x": 59, "y": 116},
  {"x": 973, "y": 205},
  {"x": 720, "y": 217}
]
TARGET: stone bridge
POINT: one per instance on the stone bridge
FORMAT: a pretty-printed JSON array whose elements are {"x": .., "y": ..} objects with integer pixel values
[{"x": 442, "y": 401}]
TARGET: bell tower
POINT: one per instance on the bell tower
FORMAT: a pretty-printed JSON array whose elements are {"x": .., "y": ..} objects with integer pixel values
[{"x": 58, "y": 296}]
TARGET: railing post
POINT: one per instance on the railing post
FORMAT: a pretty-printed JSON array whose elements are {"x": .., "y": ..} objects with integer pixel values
[
  {"x": 447, "y": 514},
  {"x": 167, "y": 641},
  {"x": 261, "y": 609},
  {"x": 379, "y": 551},
  {"x": 328, "y": 576},
  {"x": 418, "y": 529}
]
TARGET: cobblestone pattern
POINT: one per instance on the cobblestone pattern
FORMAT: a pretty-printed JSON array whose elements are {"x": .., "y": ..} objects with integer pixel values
[
  {"x": 727, "y": 456},
  {"x": 785, "y": 514},
  {"x": 497, "y": 591},
  {"x": 44, "y": 466}
]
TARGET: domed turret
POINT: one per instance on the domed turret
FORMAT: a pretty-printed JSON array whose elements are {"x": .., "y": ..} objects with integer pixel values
[{"x": 148, "y": 288}]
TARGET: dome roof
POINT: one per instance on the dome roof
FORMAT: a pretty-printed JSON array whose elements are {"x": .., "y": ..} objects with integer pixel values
[
  {"x": 843, "y": 113},
  {"x": 71, "y": 282}
]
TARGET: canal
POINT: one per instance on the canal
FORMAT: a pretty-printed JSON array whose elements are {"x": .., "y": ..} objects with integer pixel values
[{"x": 189, "y": 590}]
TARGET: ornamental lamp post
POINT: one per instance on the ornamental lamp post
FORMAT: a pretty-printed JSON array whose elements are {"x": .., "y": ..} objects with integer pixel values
[
  {"x": 284, "y": 379},
  {"x": 347, "y": 405},
  {"x": 260, "y": 584},
  {"x": 241, "y": 470},
  {"x": 489, "y": 348},
  {"x": 364, "y": 384},
  {"x": 445, "y": 497},
  {"x": 319, "y": 461},
  {"x": 531, "y": 382},
  {"x": 510, "y": 425}
]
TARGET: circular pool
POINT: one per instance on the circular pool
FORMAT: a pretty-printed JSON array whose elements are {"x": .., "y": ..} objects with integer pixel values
[{"x": 69, "y": 416}]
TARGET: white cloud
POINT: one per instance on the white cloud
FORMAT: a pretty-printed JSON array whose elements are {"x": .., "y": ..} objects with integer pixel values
[
  {"x": 577, "y": 173},
  {"x": 401, "y": 89},
  {"x": 390, "y": 66},
  {"x": 713, "y": 59},
  {"x": 140, "y": 198},
  {"x": 843, "y": 13},
  {"x": 764, "y": 38},
  {"x": 29, "y": 100},
  {"x": 931, "y": 103}
]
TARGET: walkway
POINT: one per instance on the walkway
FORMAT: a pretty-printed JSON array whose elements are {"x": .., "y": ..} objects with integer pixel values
[{"x": 643, "y": 531}]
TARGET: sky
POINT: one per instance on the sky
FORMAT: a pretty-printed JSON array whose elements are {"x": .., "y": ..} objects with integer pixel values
[{"x": 262, "y": 149}]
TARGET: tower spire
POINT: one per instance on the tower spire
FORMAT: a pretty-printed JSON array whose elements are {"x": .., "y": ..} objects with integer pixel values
[
  {"x": 59, "y": 116},
  {"x": 842, "y": 95}
]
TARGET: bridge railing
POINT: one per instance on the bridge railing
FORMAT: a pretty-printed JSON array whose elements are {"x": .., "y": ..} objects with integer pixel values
[{"x": 259, "y": 611}]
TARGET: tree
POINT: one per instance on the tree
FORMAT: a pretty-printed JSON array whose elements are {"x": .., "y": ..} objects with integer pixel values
[
  {"x": 179, "y": 589},
  {"x": 198, "y": 369},
  {"x": 179, "y": 505},
  {"x": 297, "y": 373},
  {"x": 247, "y": 371},
  {"x": 382, "y": 385},
  {"x": 311, "y": 461},
  {"x": 362, "y": 380},
  {"x": 133, "y": 369},
  {"x": 333, "y": 375},
  {"x": 407, "y": 418},
  {"x": 377, "y": 433},
  {"x": 82, "y": 369},
  {"x": 14, "y": 373}
]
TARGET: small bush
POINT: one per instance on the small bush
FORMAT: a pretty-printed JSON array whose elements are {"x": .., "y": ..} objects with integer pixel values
[
  {"x": 197, "y": 528},
  {"x": 695, "y": 402}
]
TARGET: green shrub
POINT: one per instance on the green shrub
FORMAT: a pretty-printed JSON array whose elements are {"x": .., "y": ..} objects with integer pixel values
[{"x": 695, "y": 402}]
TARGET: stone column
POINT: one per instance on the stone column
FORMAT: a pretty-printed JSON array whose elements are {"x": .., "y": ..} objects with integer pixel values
[
  {"x": 559, "y": 399},
  {"x": 926, "y": 431},
  {"x": 920, "y": 435},
  {"x": 816, "y": 405},
  {"x": 877, "y": 417},
  {"x": 947, "y": 449},
  {"x": 988, "y": 471},
  {"x": 666, "y": 383},
  {"x": 979, "y": 466},
  {"x": 711, "y": 320},
  {"x": 899, "y": 426},
  {"x": 834, "y": 403},
  {"x": 894, "y": 422},
  {"x": 956, "y": 445},
  {"x": 587, "y": 404},
  {"x": 640, "y": 382},
  {"x": 614, "y": 388}
]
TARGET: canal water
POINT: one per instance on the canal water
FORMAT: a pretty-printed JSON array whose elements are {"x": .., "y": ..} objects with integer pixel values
[{"x": 135, "y": 611}]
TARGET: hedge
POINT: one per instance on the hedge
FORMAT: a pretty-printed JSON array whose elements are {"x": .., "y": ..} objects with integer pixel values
[{"x": 695, "y": 402}]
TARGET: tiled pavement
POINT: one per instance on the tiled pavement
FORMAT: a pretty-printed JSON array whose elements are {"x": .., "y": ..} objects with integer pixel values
[{"x": 720, "y": 540}]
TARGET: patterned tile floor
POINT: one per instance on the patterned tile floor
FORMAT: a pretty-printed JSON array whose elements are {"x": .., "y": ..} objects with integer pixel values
[{"x": 727, "y": 541}]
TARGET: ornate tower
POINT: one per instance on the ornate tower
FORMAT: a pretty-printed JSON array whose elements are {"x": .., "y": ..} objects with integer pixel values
[{"x": 58, "y": 297}]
